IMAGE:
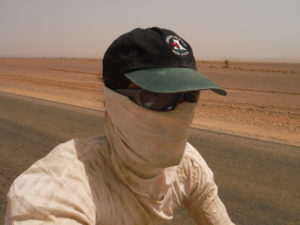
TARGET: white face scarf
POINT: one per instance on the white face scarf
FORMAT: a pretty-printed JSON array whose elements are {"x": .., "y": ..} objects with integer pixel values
[{"x": 146, "y": 146}]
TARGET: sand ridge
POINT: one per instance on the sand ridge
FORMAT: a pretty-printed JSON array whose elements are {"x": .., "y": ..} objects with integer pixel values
[{"x": 263, "y": 98}]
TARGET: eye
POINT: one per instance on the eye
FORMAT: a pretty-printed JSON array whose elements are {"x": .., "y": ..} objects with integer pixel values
[
  {"x": 191, "y": 96},
  {"x": 148, "y": 99}
]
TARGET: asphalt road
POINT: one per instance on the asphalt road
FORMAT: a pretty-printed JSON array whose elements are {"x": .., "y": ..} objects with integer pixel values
[{"x": 259, "y": 181}]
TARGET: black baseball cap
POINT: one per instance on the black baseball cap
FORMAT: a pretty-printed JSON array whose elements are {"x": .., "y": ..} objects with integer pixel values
[{"x": 155, "y": 59}]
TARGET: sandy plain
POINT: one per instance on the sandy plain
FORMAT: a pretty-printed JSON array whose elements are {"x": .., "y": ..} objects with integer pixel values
[{"x": 263, "y": 99}]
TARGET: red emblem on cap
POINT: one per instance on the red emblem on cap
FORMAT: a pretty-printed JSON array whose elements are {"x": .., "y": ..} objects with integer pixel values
[{"x": 179, "y": 47}]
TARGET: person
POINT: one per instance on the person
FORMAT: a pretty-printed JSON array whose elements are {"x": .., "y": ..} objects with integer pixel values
[{"x": 143, "y": 168}]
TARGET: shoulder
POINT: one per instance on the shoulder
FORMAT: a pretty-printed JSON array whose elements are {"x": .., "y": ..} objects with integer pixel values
[
  {"x": 64, "y": 158},
  {"x": 77, "y": 148},
  {"x": 194, "y": 176},
  {"x": 57, "y": 180},
  {"x": 193, "y": 170},
  {"x": 192, "y": 160},
  {"x": 200, "y": 190}
]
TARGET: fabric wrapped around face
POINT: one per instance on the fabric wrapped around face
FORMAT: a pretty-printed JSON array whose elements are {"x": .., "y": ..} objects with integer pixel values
[{"x": 146, "y": 146}]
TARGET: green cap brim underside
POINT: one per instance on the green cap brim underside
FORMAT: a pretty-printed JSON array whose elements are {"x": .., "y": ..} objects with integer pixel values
[{"x": 172, "y": 80}]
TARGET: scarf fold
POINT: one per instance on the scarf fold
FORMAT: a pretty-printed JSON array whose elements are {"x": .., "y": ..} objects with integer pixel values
[{"x": 146, "y": 146}]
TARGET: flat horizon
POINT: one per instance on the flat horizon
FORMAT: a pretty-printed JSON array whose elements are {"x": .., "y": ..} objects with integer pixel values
[
  {"x": 295, "y": 60},
  {"x": 258, "y": 30}
]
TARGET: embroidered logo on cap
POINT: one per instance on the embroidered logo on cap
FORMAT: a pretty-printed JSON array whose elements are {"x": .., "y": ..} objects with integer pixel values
[{"x": 178, "y": 45}]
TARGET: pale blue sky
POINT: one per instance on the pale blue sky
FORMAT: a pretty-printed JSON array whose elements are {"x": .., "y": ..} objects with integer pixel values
[{"x": 233, "y": 29}]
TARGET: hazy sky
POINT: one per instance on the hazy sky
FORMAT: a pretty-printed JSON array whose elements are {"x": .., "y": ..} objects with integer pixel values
[{"x": 232, "y": 29}]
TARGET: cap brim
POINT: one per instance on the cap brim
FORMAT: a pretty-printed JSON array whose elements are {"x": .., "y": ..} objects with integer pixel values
[{"x": 172, "y": 80}]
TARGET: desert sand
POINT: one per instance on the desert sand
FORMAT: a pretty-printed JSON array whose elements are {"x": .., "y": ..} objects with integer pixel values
[{"x": 263, "y": 99}]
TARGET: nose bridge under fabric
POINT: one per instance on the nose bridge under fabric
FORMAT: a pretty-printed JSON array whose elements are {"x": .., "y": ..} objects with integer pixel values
[{"x": 149, "y": 132}]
